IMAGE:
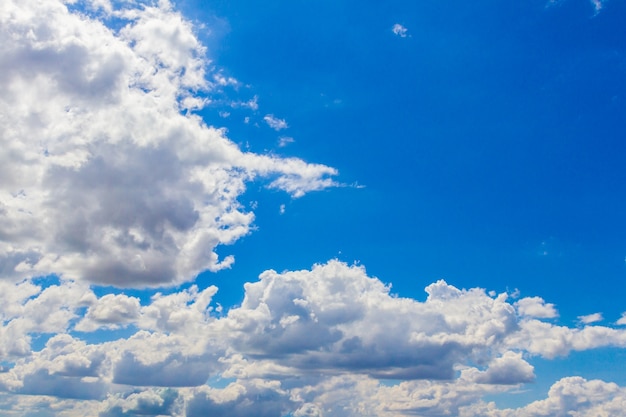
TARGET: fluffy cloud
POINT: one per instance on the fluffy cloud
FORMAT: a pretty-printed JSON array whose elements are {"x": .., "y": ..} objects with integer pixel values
[
  {"x": 110, "y": 311},
  {"x": 508, "y": 369},
  {"x": 335, "y": 317},
  {"x": 251, "y": 398},
  {"x": 319, "y": 342},
  {"x": 536, "y": 307},
  {"x": 571, "y": 396},
  {"x": 550, "y": 340},
  {"x": 27, "y": 308},
  {"x": 107, "y": 175}
]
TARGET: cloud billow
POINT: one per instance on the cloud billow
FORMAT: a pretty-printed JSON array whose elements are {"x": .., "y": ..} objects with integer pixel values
[
  {"x": 107, "y": 175},
  {"x": 301, "y": 342}
]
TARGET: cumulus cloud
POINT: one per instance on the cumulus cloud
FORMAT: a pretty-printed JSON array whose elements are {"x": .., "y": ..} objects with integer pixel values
[
  {"x": 591, "y": 318},
  {"x": 550, "y": 340},
  {"x": 311, "y": 343},
  {"x": 337, "y": 318},
  {"x": 107, "y": 175},
  {"x": 110, "y": 311},
  {"x": 536, "y": 307},
  {"x": 570, "y": 396},
  {"x": 508, "y": 369}
]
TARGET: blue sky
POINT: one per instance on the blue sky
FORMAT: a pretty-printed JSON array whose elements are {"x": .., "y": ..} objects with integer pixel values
[{"x": 327, "y": 208}]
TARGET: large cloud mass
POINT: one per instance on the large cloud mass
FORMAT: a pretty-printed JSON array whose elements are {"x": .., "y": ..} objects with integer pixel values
[
  {"x": 105, "y": 172},
  {"x": 319, "y": 342}
]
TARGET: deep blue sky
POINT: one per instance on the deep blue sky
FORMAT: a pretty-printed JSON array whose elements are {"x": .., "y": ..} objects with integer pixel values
[{"x": 490, "y": 140}]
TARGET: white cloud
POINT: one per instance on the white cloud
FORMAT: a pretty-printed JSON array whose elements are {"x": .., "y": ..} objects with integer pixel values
[
  {"x": 549, "y": 340},
  {"x": 110, "y": 311},
  {"x": 571, "y": 396},
  {"x": 310, "y": 342},
  {"x": 536, "y": 307},
  {"x": 150, "y": 402},
  {"x": 240, "y": 399},
  {"x": 508, "y": 369},
  {"x": 591, "y": 318},
  {"x": 598, "y": 5},
  {"x": 284, "y": 141},
  {"x": 252, "y": 104},
  {"x": 275, "y": 123},
  {"x": 352, "y": 324},
  {"x": 106, "y": 176},
  {"x": 400, "y": 30},
  {"x": 27, "y": 308}
]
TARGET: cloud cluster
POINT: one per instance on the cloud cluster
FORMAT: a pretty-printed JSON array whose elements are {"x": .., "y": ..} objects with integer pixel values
[
  {"x": 319, "y": 342},
  {"x": 106, "y": 174}
]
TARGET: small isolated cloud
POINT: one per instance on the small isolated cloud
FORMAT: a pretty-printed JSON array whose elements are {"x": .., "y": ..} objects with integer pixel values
[
  {"x": 282, "y": 209},
  {"x": 284, "y": 141},
  {"x": 400, "y": 30},
  {"x": 224, "y": 81},
  {"x": 591, "y": 318},
  {"x": 598, "y": 5},
  {"x": 275, "y": 123},
  {"x": 252, "y": 104}
]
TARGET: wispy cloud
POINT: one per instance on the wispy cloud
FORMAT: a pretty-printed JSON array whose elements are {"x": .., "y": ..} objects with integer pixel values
[
  {"x": 284, "y": 141},
  {"x": 400, "y": 30},
  {"x": 591, "y": 318},
  {"x": 275, "y": 123}
]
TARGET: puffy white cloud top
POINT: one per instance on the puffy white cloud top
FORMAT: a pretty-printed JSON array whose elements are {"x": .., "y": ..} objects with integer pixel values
[{"x": 105, "y": 172}]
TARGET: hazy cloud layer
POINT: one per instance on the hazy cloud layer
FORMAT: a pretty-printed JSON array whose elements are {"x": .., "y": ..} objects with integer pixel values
[{"x": 106, "y": 175}]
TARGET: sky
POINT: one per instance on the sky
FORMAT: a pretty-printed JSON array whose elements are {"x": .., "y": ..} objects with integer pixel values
[{"x": 312, "y": 209}]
